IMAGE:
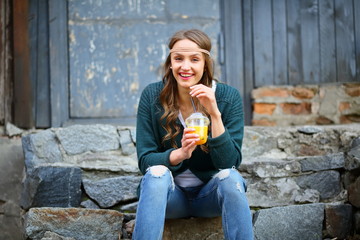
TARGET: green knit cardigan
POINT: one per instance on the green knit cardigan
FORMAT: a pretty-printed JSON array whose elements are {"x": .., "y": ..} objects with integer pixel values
[{"x": 224, "y": 150}]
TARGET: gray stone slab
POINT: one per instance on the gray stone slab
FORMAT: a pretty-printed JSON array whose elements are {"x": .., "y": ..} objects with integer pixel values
[
  {"x": 41, "y": 148},
  {"x": 111, "y": 191},
  {"x": 290, "y": 223},
  {"x": 52, "y": 187},
  {"x": 78, "y": 139},
  {"x": 11, "y": 175},
  {"x": 319, "y": 163},
  {"x": 77, "y": 223},
  {"x": 326, "y": 182}
]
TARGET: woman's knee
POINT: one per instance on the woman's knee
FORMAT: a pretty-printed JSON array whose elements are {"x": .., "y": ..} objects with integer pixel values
[
  {"x": 158, "y": 176},
  {"x": 231, "y": 180}
]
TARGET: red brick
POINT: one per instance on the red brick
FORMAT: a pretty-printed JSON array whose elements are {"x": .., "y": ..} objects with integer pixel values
[
  {"x": 344, "y": 106},
  {"x": 352, "y": 89},
  {"x": 350, "y": 118},
  {"x": 264, "y": 108},
  {"x": 324, "y": 121},
  {"x": 270, "y": 92},
  {"x": 296, "y": 108},
  {"x": 263, "y": 122},
  {"x": 303, "y": 93}
]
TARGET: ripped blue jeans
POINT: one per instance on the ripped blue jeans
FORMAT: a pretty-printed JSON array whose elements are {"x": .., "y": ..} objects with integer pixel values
[{"x": 160, "y": 199}]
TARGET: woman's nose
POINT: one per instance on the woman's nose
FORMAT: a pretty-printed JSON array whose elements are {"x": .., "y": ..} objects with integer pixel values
[{"x": 185, "y": 65}]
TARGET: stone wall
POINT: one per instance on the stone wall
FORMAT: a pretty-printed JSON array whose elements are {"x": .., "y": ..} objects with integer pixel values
[
  {"x": 306, "y": 104},
  {"x": 303, "y": 183}
]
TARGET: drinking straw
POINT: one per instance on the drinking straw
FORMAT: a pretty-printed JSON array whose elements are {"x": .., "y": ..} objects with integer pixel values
[{"x": 192, "y": 102}]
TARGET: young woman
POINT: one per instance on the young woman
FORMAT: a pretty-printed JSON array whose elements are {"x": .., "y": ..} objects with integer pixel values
[{"x": 182, "y": 179}]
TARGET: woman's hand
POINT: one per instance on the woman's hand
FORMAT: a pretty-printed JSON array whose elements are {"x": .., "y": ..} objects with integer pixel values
[
  {"x": 206, "y": 98},
  {"x": 188, "y": 145}
]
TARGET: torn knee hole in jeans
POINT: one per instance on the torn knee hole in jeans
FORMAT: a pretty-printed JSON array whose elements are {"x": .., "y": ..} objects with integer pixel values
[
  {"x": 158, "y": 171},
  {"x": 223, "y": 174}
]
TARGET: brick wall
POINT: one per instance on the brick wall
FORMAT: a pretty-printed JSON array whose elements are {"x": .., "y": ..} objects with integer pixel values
[{"x": 306, "y": 105}]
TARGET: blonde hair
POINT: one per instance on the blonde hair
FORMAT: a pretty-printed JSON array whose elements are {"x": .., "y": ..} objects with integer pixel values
[{"x": 169, "y": 94}]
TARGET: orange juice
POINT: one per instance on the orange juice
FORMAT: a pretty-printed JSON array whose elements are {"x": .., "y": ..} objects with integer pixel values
[
  {"x": 200, "y": 123},
  {"x": 202, "y": 131}
]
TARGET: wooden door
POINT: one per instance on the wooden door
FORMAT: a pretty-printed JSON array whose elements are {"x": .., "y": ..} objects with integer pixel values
[{"x": 101, "y": 54}]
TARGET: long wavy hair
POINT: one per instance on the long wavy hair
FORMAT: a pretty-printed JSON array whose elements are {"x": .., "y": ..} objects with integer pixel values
[{"x": 169, "y": 94}]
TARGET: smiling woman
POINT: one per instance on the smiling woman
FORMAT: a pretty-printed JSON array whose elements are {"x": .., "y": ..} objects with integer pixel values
[{"x": 181, "y": 179}]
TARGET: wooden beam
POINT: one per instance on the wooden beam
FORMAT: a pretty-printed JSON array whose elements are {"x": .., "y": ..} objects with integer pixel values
[
  {"x": 23, "y": 104},
  {"x": 5, "y": 63}
]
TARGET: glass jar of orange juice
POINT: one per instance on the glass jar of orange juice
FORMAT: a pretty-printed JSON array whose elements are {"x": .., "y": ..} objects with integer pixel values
[{"x": 200, "y": 123}]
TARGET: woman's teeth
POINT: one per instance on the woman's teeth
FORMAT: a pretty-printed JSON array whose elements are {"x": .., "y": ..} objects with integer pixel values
[{"x": 185, "y": 75}]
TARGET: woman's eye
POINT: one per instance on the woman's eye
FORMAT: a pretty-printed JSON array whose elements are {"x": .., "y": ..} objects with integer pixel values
[
  {"x": 177, "y": 59},
  {"x": 195, "y": 59}
]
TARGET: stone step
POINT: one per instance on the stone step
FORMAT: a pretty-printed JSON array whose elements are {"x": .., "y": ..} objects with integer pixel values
[
  {"x": 302, "y": 183},
  {"x": 307, "y": 221}
]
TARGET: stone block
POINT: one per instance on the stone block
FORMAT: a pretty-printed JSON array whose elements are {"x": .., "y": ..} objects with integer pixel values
[
  {"x": 326, "y": 182},
  {"x": 338, "y": 220},
  {"x": 77, "y": 223},
  {"x": 52, "y": 187},
  {"x": 270, "y": 192},
  {"x": 271, "y": 168},
  {"x": 111, "y": 191},
  {"x": 11, "y": 169},
  {"x": 193, "y": 229},
  {"x": 320, "y": 163},
  {"x": 357, "y": 222},
  {"x": 41, "y": 148},
  {"x": 126, "y": 142},
  {"x": 10, "y": 221},
  {"x": 290, "y": 223},
  {"x": 354, "y": 193},
  {"x": 78, "y": 139},
  {"x": 353, "y": 156}
]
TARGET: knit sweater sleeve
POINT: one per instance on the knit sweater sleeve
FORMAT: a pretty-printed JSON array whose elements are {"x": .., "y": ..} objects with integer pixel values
[
  {"x": 148, "y": 137},
  {"x": 225, "y": 150}
]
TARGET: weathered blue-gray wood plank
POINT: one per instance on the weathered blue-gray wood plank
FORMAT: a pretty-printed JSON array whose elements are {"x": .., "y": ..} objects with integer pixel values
[
  {"x": 232, "y": 25},
  {"x": 263, "y": 42},
  {"x": 310, "y": 41},
  {"x": 33, "y": 49},
  {"x": 295, "y": 58},
  {"x": 345, "y": 41},
  {"x": 248, "y": 60},
  {"x": 327, "y": 41},
  {"x": 357, "y": 37},
  {"x": 59, "y": 62},
  {"x": 42, "y": 80},
  {"x": 280, "y": 42}
]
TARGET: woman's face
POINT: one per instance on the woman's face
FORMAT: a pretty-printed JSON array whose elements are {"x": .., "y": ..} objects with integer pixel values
[{"x": 187, "y": 67}]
